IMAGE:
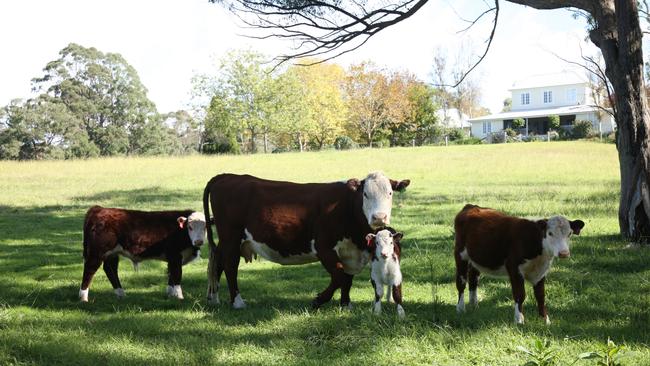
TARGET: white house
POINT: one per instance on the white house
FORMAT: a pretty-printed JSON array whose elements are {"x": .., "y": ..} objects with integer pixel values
[
  {"x": 453, "y": 118},
  {"x": 566, "y": 94}
]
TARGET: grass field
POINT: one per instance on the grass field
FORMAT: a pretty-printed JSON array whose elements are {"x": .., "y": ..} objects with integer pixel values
[{"x": 602, "y": 291}]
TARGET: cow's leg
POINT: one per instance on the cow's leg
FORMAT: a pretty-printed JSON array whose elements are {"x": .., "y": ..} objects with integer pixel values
[
  {"x": 379, "y": 293},
  {"x": 518, "y": 294},
  {"x": 230, "y": 259},
  {"x": 461, "y": 280},
  {"x": 397, "y": 295},
  {"x": 472, "y": 277},
  {"x": 175, "y": 269},
  {"x": 91, "y": 265},
  {"x": 215, "y": 269},
  {"x": 346, "y": 285},
  {"x": 539, "y": 296},
  {"x": 330, "y": 260},
  {"x": 110, "y": 268}
]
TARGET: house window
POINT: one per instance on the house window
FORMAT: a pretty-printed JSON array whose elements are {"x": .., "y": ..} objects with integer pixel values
[
  {"x": 525, "y": 98},
  {"x": 487, "y": 127},
  {"x": 571, "y": 96},
  {"x": 548, "y": 96}
]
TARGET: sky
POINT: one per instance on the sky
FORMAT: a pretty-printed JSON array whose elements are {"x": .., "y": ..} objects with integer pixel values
[{"x": 169, "y": 41}]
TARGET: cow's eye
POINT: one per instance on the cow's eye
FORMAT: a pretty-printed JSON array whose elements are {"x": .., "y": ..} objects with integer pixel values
[
  {"x": 550, "y": 233},
  {"x": 390, "y": 193},
  {"x": 189, "y": 228},
  {"x": 365, "y": 194}
]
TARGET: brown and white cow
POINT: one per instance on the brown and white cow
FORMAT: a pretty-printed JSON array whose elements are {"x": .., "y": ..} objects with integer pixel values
[
  {"x": 171, "y": 236},
  {"x": 290, "y": 223},
  {"x": 490, "y": 242},
  {"x": 385, "y": 268}
]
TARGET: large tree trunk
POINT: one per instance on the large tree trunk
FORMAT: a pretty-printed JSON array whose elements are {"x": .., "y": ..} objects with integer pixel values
[{"x": 618, "y": 35}]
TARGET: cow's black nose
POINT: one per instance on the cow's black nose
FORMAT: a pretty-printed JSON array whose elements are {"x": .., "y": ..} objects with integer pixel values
[
  {"x": 380, "y": 216},
  {"x": 198, "y": 242}
]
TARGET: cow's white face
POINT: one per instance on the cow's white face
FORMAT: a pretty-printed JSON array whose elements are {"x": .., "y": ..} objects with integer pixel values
[
  {"x": 384, "y": 244},
  {"x": 196, "y": 227},
  {"x": 558, "y": 232},
  {"x": 378, "y": 198}
]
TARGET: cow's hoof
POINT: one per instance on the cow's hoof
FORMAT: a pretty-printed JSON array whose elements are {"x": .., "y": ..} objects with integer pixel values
[
  {"x": 83, "y": 295},
  {"x": 119, "y": 292},
  {"x": 377, "y": 308},
  {"x": 460, "y": 307},
  {"x": 400, "y": 312},
  {"x": 547, "y": 320},
  {"x": 175, "y": 292},
  {"x": 346, "y": 306},
  {"x": 238, "y": 303},
  {"x": 214, "y": 299}
]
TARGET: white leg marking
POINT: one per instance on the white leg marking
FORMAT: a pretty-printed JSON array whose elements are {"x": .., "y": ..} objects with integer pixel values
[
  {"x": 238, "y": 303},
  {"x": 389, "y": 292},
  {"x": 473, "y": 298},
  {"x": 400, "y": 312},
  {"x": 547, "y": 320},
  {"x": 175, "y": 292},
  {"x": 119, "y": 292},
  {"x": 377, "y": 307},
  {"x": 83, "y": 295},
  {"x": 460, "y": 307},
  {"x": 519, "y": 317}
]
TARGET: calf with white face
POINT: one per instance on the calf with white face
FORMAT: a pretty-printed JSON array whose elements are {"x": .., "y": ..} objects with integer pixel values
[
  {"x": 492, "y": 243},
  {"x": 385, "y": 268},
  {"x": 172, "y": 236}
]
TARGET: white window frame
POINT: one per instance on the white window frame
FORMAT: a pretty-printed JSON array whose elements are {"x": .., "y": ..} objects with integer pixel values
[
  {"x": 525, "y": 98},
  {"x": 548, "y": 96},
  {"x": 572, "y": 95},
  {"x": 487, "y": 127}
]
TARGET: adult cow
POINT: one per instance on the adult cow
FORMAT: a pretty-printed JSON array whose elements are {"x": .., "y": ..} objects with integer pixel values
[
  {"x": 290, "y": 223},
  {"x": 171, "y": 236}
]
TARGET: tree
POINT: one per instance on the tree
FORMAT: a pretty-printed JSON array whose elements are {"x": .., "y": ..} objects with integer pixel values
[
  {"x": 614, "y": 27},
  {"x": 104, "y": 92},
  {"x": 367, "y": 91},
  {"x": 553, "y": 122},
  {"x": 322, "y": 90},
  {"x": 421, "y": 125},
  {"x": 507, "y": 105}
]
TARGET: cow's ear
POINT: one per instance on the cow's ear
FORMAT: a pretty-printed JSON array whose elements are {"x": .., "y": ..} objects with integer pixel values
[
  {"x": 369, "y": 239},
  {"x": 542, "y": 224},
  {"x": 181, "y": 222},
  {"x": 576, "y": 226},
  {"x": 401, "y": 185},
  {"x": 354, "y": 184},
  {"x": 398, "y": 236}
]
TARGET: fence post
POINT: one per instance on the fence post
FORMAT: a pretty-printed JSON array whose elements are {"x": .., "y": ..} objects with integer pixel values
[
  {"x": 446, "y": 140},
  {"x": 505, "y": 137}
]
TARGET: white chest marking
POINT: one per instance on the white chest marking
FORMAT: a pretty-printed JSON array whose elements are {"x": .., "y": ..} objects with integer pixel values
[
  {"x": 386, "y": 271},
  {"x": 272, "y": 255},
  {"x": 494, "y": 272},
  {"x": 353, "y": 259},
  {"x": 535, "y": 269}
]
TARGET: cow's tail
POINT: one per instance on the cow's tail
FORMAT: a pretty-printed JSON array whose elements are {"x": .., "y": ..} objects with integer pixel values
[
  {"x": 87, "y": 232},
  {"x": 206, "y": 211}
]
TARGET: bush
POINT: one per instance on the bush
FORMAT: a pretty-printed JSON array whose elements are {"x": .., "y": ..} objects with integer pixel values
[
  {"x": 581, "y": 129},
  {"x": 456, "y": 134},
  {"x": 345, "y": 143},
  {"x": 222, "y": 145},
  {"x": 554, "y": 122},
  {"x": 469, "y": 141},
  {"x": 510, "y": 132},
  {"x": 518, "y": 123}
]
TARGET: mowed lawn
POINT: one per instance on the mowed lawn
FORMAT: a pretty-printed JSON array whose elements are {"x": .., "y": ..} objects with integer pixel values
[{"x": 602, "y": 291}]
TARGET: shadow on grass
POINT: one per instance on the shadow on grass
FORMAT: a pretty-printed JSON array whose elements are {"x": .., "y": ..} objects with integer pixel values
[{"x": 599, "y": 292}]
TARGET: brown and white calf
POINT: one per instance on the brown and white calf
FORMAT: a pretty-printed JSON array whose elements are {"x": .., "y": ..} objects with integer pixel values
[
  {"x": 492, "y": 243},
  {"x": 385, "y": 268},
  {"x": 171, "y": 236},
  {"x": 291, "y": 223}
]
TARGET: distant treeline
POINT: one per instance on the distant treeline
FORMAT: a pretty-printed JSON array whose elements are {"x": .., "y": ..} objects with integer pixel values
[{"x": 90, "y": 103}]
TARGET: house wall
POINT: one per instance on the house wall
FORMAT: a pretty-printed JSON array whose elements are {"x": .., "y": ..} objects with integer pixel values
[
  {"x": 606, "y": 123},
  {"x": 559, "y": 97},
  {"x": 477, "y": 128}
]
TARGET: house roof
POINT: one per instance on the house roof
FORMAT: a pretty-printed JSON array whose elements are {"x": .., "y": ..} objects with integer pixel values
[
  {"x": 560, "y": 111},
  {"x": 565, "y": 77}
]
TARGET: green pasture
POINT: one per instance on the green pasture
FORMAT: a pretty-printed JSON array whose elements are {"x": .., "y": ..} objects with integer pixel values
[{"x": 602, "y": 291}]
